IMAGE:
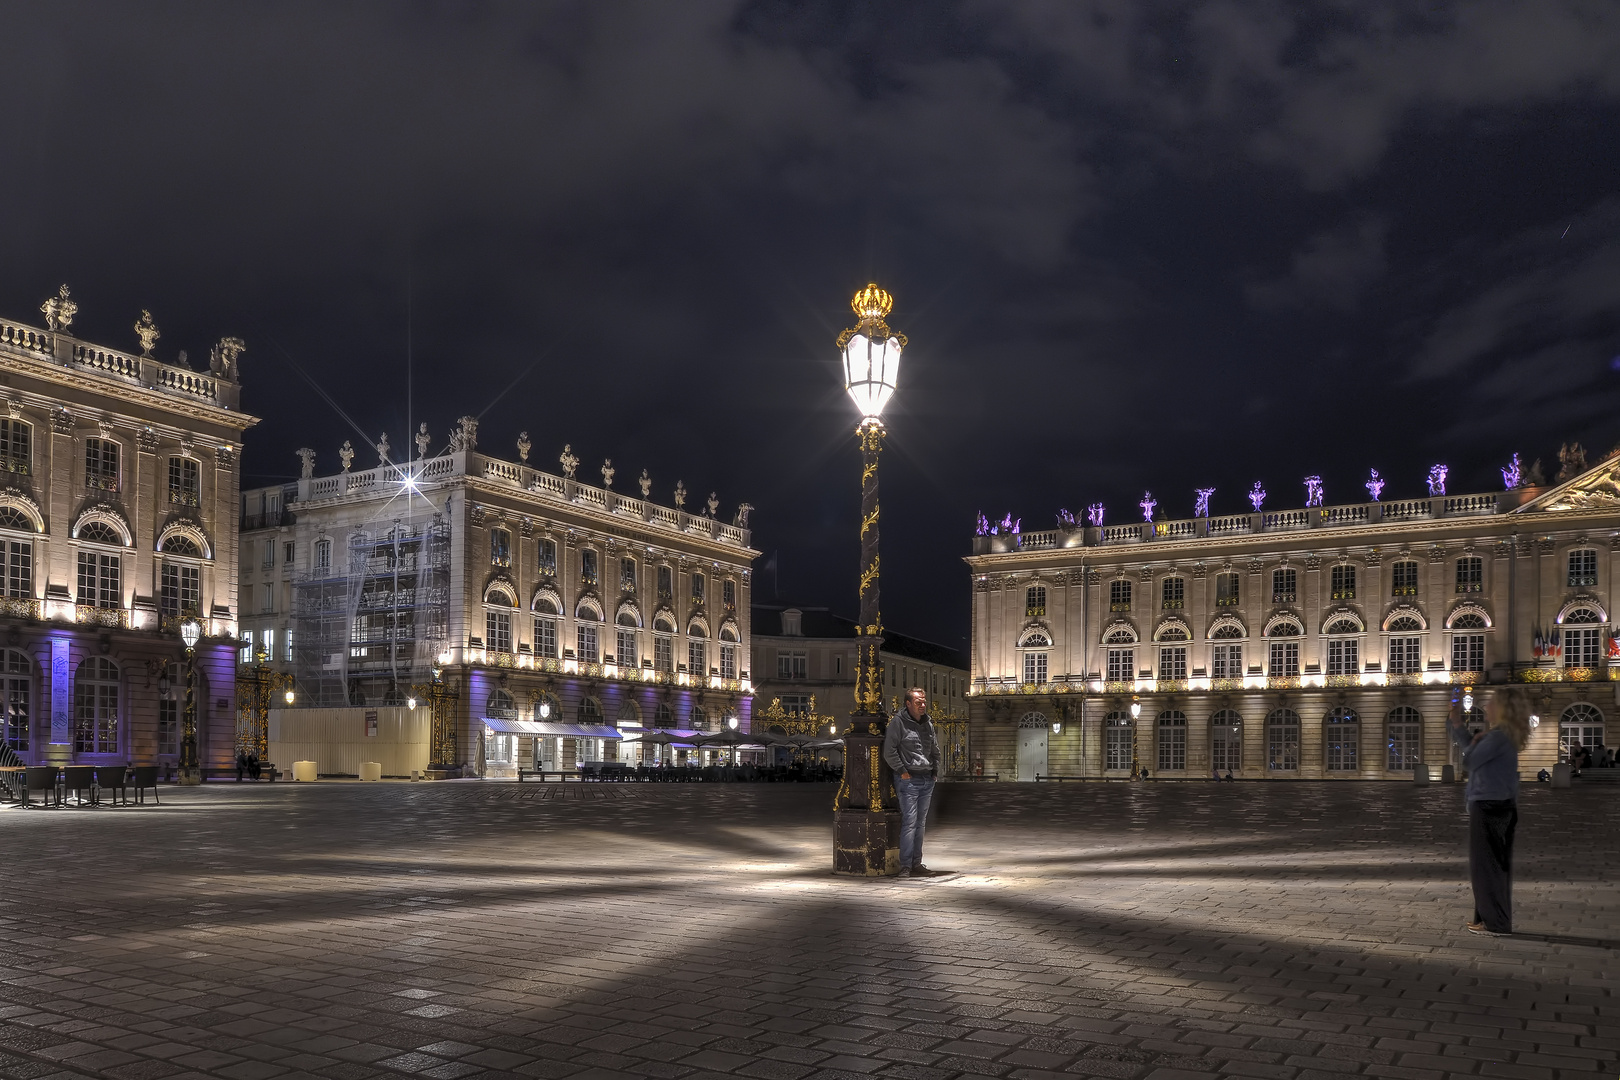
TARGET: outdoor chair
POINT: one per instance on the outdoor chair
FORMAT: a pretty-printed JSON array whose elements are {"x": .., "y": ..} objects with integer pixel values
[
  {"x": 41, "y": 778},
  {"x": 146, "y": 776},
  {"x": 114, "y": 781},
  {"x": 79, "y": 780}
]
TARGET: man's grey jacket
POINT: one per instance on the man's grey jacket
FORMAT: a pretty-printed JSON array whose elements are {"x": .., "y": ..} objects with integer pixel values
[{"x": 909, "y": 745}]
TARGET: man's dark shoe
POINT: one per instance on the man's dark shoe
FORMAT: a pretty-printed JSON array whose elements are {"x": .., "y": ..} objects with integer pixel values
[
  {"x": 922, "y": 871},
  {"x": 905, "y": 871}
]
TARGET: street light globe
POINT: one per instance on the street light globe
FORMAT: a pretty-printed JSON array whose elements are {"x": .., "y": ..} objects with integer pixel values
[
  {"x": 871, "y": 353},
  {"x": 410, "y": 702},
  {"x": 191, "y": 633},
  {"x": 731, "y": 722},
  {"x": 1136, "y": 709},
  {"x": 288, "y": 696},
  {"x": 545, "y": 709}
]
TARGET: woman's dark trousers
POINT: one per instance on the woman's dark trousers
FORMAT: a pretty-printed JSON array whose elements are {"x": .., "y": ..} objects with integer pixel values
[{"x": 1490, "y": 861}]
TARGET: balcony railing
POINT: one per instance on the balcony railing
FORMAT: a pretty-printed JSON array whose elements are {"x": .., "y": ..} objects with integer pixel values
[
  {"x": 86, "y": 615},
  {"x": 15, "y": 607}
]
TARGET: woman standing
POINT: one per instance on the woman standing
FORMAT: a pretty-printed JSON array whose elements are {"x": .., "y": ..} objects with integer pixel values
[{"x": 1492, "y": 761}]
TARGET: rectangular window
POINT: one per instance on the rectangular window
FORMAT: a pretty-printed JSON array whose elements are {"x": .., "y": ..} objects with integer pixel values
[
  {"x": 587, "y": 567},
  {"x": 625, "y": 650},
  {"x": 627, "y": 575},
  {"x": 269, "y": 559},
  {"x": 287, "y": 645},
  {"x": 1117, "y": 743},
  {"x": 98, "y": 580},
  {"x": 268, "y": 604},
  {"x": 1034, "y": 667},
  {"x": 181, "y": 590},
  {"x": 1119, "y": 595},
  {"x": 1284, "y": 659},
  {"x": 1405, "y": 655},
  {"x": 1405, "y": 737},
  {"x": 1284, "y": 586},
  {"x": 185, "y": 482},
  {"x": 1226, "y": 662},
  {"x": 666, "y": 583},
  {"x": 1582, "y": 568},
  {"x": 323, "y": 554},
  {"x": 548, "y": 557},
  {"x": 1173, "y": 743},
  {"x": 1470, "y": 574},
  {"x": 663, "y": 652},
  {"x": 16, "y": 455},
  {"x": 697, "y": 588},
  {"x": 728, "y": 661},
  {"x": 545, "y": 638},
  {"x": 1173, "y": 661},
  {"x": 245, "y": 653},
  {"x": 168, "y": 726},
  {"x": 588, "y": 650},
  {"x": 288, "y": 550},
  {"x": 1583, "y": 646},
  {"x": 267, "y": 645},
  {"x": 1121, "y": 665},
  {"x": 796, "y": 704},
  {"x": 1226, "y": 590},
  {"x": 500, "y": 547},
  {"x": 1403, "y": 579},
  {"x": 728, "y": 594},
  {"x": 1344, "y": 582},
  {"x": 19, "y": 570},
  {"x": 1035, "y": 602},
  {"x": 696, "y": 659},
  {"x": 1344, "y": 657},
  {"x": 498, "y": 631},
  {"x": 101, "y": 464},
  {"x": 1174, "y": 592},
  {"x": 1468, "y": 652},
  {"x": 792, "y": 665}
]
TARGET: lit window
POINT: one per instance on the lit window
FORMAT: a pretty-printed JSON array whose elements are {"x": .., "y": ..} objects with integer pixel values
[
  {"x": 95, "y": 707},
  {"x": 17, "y": 700},
  {"x": 1119, "y": 595},
  {"x": 16, "y": 452},
  {"x": 500, "y": 547},
  {"x": 627, "y": 575},
  {"x": 1468, "y": 652},
  {"x": 181, "y": 590},
  {"x": 728, "y": 661},
  {"x": 588, "y": 650},
  {"x": 1172, "y": 740},
  {"x": 1035, "y": 667},
  {"x": 1173, "y": 662},
  {"x": 728, "y": 594},
  {"x": 697, "y": 588},
  {"x": 98, "y": 580},
  {"x": 1344, "y": 582},
  {"x": 1173, "y": 592},
  {"x": 545, "y": 637},
  {"x": 547, "y": 557},
  {"x": 1470, "y": 574},
  {"x": 1118, "y": 735},
  {"x": 101, "y": 464},
  {"x": 1035, "y": 601},
  {"x": 1405, "y": 731},
  {"x": 587, "y": 568},
  {"x": 1284, "y": 585},
  {"x": 625, "y": 649},
  {"x": 1582, "y": 639},
  {"x": 1121, "y": 665},
  {"x": 185, "y": 483},
  {"x": 1226, "y": 741},
  {"x": 696, "y": 657},
  {"x": 1226, "y": 662},
  {"x": 1405, "y": 655},
  {"x": 1582, "y": 568},
  {"x": 498, "y": 631},
  {"x": 1403, "y": 578},
  {"x": 1282, "y": 740},
  {"x": 1226, "y": 590},
  {"x": 1342, "y": 732}
]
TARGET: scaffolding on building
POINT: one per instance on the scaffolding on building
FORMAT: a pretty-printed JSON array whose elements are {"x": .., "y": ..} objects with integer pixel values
[{"x": 364, "y": 634}]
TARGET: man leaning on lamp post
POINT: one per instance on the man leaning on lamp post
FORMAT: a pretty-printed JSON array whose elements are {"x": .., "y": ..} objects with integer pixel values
[{"x": 912, "y": 752}]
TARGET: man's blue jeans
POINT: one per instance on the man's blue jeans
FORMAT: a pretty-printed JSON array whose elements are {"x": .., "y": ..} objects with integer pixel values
[{"x": 915, "y": 795}]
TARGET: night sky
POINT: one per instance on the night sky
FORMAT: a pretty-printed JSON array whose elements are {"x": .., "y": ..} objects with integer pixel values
[{"x": 1134, "y": 246}]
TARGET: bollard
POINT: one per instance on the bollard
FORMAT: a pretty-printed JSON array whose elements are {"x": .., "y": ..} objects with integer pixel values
[
  {"x": 1420, "y": 775},
  {"x": 1448, "y": 774},
  {"x": 1561, "y": 774}
]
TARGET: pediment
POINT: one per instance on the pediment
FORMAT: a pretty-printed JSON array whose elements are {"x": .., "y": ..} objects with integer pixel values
[{"x": 1598, "y": 488}]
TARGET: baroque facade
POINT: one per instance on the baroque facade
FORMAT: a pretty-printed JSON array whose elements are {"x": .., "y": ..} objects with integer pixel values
[
  {"x": 562, "y": 616},
  {"x": 118, "y": 491},
  {"x": 1319, "y": 643}
]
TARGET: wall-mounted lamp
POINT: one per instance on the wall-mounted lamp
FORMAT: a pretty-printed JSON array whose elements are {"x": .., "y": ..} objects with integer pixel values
[{"x": 1057, "y": 727}]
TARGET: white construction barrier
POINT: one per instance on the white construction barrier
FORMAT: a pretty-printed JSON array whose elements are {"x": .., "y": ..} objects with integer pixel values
[
  {"x": 371, "y": 770},
  {"x": 303, "y": 770}
]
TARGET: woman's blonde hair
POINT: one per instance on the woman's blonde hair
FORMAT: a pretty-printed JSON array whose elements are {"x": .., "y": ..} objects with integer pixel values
[{"x": 1513, "y": 714}]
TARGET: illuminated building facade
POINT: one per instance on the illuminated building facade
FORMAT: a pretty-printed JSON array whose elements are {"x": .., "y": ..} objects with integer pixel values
[
  {"x": 563, "y": 616},
  {"x": 1317, "y": 643},
  {"x": 119, "y": 480}
]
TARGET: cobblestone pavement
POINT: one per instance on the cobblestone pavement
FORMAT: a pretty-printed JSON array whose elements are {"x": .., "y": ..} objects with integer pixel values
[{"x": 450, "y": 930}]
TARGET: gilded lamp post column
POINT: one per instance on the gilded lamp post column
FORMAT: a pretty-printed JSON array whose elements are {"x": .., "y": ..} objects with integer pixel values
[
  {"x": 190, "y": 765},
  {"x": 866, "y": 818}
]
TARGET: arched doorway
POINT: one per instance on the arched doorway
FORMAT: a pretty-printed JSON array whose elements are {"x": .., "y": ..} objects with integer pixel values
[{"x": 1033, "y": 731}]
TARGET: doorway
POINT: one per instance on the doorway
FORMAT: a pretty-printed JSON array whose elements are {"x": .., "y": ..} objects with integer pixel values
[{"x": 1032, "y": 746}]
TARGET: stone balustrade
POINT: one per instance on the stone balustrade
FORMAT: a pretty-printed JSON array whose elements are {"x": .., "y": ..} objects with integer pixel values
[{"x": 144, "y": 371}]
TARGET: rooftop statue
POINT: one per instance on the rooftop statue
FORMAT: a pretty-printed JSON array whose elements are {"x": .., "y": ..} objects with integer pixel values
[{"x": 59, "y": 311}]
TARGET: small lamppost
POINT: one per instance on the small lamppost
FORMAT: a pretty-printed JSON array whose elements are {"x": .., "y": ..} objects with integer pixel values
[
  {"x": 866, "y": 821},
  {"x": 190, "y": 771},
  {"x": 1136, "y": 713},
  {"x": 439, "y": 696}
]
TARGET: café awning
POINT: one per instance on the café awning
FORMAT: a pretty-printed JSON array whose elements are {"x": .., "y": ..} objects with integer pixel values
[{"x": 545, "y": 728}]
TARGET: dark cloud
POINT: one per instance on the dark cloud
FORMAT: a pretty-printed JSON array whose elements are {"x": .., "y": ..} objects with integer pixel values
[{"x": 1135, "y": 246}]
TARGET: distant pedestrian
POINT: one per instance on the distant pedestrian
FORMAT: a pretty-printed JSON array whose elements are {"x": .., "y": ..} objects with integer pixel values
[
  {"x": 241, "y": 764},
  {"x": 910, "y": 748},
  {"x": 1492, "y": 760}
]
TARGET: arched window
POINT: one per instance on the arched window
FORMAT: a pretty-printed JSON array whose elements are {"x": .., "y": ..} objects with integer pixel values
[
  {"x": 1228, "y": 629},
  {"x": 1404, "y": 728},
  {"x": 1583, "y": 565},
  {"x": 17, "y": 553},
  {"x": 1172, "y": 740},
  {"x": 1284, "y": 654},
  {"x": 547, "y": 709},
  {"x": 180, "y": 544},
  {"x": 1282, "y": 740},
  {"x": 498, "y": 619},
  {"x": 1582, "y": 638},
  {"x": 100, "y": 572},
  {"x": 1341, "y": 730},
  {"x": 663, "y": 645},
  {"x": 629, "y": 715},
  {"x": 697, "y": 656},
  {"x": 1344, "y": 652},
  {"x": 1035, "y": 643},
  {"x": 1468, "y": 642},
  {"x": 1405, "y": 648},
  {"x": 95, "y": 707},
  {"x": 700, "y": 719},
  {"x": 1403, "y": 578},
  {"x": 1121, "y": 661},
  {"x": 180, "y": 588},
  {"x": 590, "y": 711},
  {"x": 728, "y": 651},
  {"x": 17, "y": 701},
  {"x": 587, "y": 635},
  {"x": 545, "y": 626},
  {"x": 1033, "y": 721},
  {"x": 16, "y": 446},
  {"x": 1035, "y": 602},
  {"x": 1580, "y": 726},
  {"x": 99, "y": 532},
  {"x": 1226, "y": 741},
  {"x": 1118, "y": 732},
  {"x": 1470, "y": 621},
  {"x": 501, "y": 706},
  {"x": 663, "y": 716}
]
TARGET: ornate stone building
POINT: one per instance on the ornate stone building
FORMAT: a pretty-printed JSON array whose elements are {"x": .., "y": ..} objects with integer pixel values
[
  {"x": 1322, "y": 642},
  {"x": 562, "y": 615},
  {"x": 118, "y": 494}
]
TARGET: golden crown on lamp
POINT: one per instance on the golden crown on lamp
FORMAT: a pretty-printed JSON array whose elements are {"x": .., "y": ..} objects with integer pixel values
[{"x": 872, "y": 304}]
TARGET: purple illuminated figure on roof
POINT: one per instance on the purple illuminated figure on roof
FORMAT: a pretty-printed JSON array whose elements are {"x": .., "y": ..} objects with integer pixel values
[
  {"x": 1066, "y": 520},
  {"x": 983, "y": 527},
  {"x": 1094, "y": 515},
  {"x": 1313, "y": 491},
  {"x": 1375, "y": 486},
  {"x": 1512, "y": 474},
  {"x": 1147, "y": 503},
  {"x": 1257, "y": 496},
  {"x": 1437, "y": 479},
  {"x": 1008, "y": 526},
  {"x": 1201, "y": 506}
]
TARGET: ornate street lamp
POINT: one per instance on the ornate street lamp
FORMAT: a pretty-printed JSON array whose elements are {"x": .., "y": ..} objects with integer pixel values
[
  {"x": 256, "y": 694},
  {"x": 190, "y": 770},
  {"x": 866, "y": 819}
]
